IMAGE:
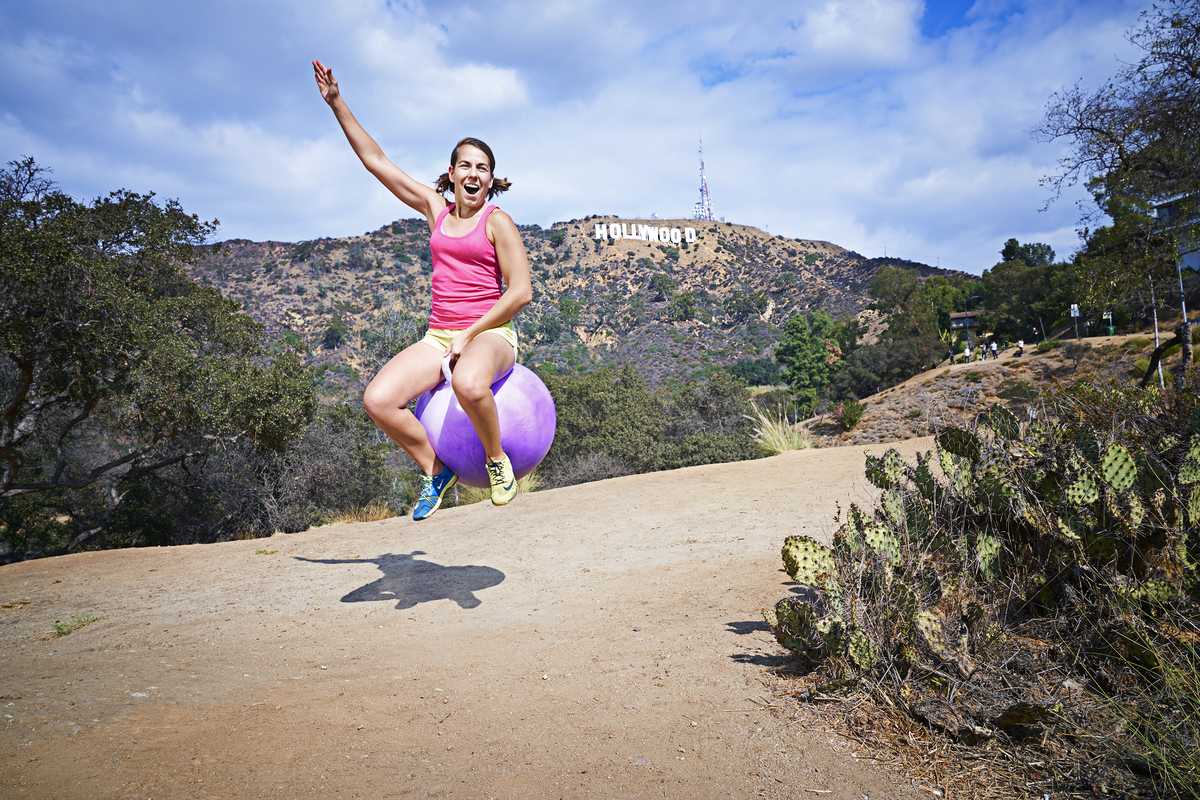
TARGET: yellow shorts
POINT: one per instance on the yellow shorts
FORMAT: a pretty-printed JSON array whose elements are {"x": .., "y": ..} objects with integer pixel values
[{"x": 441, "y": 338}]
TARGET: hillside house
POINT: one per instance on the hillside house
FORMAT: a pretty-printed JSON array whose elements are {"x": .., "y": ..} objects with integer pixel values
[
  {"x": 966, "y": 322},
  {"x": 1183, "y": 214}
]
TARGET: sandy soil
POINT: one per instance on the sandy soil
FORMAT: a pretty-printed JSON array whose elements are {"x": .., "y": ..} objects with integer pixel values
[{"x": 598, "y": 641}]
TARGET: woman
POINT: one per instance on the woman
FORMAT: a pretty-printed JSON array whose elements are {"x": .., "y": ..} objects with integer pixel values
[{"x": 473, "y": 245}]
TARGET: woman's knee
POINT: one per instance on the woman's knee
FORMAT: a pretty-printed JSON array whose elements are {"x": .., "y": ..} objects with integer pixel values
[
  {"x": 377, "y": 401},
  {"x": 470, "y": 387}
]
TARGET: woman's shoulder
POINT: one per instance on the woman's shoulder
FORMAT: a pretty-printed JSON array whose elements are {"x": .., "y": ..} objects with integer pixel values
[{"x": 498, "y": 219}]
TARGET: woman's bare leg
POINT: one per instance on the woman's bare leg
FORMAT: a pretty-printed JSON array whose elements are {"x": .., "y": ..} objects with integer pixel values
[
  {"x": 486, "y": 358},
  {"x": 413, "y": 370}
]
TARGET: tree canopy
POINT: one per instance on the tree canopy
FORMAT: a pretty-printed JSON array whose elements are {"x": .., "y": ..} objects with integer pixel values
[{"x": 114, "y": 365}]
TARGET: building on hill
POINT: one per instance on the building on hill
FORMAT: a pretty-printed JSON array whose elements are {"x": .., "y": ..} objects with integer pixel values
[
  {"x": 1182, "y": 213},
  {"x": 967, "y": 322}
]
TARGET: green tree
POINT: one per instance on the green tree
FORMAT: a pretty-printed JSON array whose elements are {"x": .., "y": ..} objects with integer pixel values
[
  {"x": 683, "y": 307},
  {"x": 114, "y": 365},
  {"x": 807, "y": 352},
  {"x": 1034, "y": 254}
]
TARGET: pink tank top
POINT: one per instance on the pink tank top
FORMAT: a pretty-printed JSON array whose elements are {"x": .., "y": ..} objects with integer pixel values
[{"x": 466, "y": 273}]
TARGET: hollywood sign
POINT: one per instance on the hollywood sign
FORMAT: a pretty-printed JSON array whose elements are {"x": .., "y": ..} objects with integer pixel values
[{"x": 644, "y": 233}]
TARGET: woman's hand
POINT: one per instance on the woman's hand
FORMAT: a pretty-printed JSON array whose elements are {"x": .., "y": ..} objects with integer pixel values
[
  {"x": 326, "y": 83},
  {"x": 457, "y": 345}
]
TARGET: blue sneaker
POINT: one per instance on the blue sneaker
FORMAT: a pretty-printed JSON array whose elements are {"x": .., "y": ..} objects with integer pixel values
[{"x": 433, "y": 489}]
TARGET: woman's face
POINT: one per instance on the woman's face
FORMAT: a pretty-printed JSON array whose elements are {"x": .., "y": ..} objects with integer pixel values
[{"x": 471, "y": 176}]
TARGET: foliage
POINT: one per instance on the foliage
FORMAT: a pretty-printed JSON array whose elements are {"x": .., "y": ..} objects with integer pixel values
[
  {"x": 757, "y": 371},
  {"x": 848, "y": 413},
  {"x": 777, "y": 434},
  {"x": 1034, "y": 254},
  {"x": 335, "y": 334},
  {"x": 612, "y": 422},
  {"x": 1081, "y": 529},
  {"x": 114, "y": 366},
  {"x": 1135, "y": 136},
  {"x": 806, "y": 353}
]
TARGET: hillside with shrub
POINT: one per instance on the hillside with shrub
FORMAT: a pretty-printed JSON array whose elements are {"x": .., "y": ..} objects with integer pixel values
[
  {"x": 953, "y": 393},
  {"x": 663, "y": 309}
]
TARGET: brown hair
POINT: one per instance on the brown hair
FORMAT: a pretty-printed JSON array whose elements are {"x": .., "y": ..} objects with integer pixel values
[{"x": 498, "y": 184}]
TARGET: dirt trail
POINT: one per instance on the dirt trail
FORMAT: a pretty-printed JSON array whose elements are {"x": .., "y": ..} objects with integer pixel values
[{"x": 598, "y": 641}]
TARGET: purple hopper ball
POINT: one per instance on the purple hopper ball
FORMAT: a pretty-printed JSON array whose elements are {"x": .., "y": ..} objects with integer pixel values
[{"x": 527, "y": 424}]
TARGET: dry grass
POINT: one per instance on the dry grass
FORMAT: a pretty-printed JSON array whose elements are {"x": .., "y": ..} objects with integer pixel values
[
  {"x": 368, "y": 513},
  {"x": 777, "y": 435}
]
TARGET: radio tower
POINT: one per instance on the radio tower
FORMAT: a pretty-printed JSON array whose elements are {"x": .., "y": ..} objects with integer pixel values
[{"x": 703, "y": 207}]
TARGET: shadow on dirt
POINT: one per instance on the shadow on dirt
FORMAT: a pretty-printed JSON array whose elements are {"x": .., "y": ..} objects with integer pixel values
[{"x": 409, "y": 580}]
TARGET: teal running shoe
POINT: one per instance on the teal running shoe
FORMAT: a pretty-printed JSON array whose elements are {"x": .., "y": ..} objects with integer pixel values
[{"x": 433, "y": 489}]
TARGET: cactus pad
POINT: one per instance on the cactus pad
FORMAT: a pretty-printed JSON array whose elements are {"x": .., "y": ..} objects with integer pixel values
[
  {"x": 961, "y": 443},
  {"x": 862, "y": 652},
  {"x": 1068, "y": 531},
  {"x": 923, "y": 477},
  {"x": 1117, "y": 467},
  {"x": 956, "y": 469},
  {"x": 882, "y": 541},
  {"x": 808, "y": 561},
  {"x": 1083, "y": 492},
  {"x": 893, "y": 506},
  {"x": 987, "y": 550}
]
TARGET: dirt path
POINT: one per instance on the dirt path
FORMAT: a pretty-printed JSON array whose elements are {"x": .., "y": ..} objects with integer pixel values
[{"x": 599, "y": 641}]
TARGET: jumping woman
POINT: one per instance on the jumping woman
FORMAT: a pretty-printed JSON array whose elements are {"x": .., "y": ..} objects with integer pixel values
[{"x": 473, "y": 246}]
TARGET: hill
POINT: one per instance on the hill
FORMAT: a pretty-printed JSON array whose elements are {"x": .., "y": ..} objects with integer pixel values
[
  {"x": 530, "y": 651},
  {"x": 952, "y": 394},
  {"x": 667, "y": 308}
]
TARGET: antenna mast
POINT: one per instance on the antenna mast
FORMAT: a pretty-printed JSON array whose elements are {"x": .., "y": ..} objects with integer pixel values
[{"x": 703, "y": 207}]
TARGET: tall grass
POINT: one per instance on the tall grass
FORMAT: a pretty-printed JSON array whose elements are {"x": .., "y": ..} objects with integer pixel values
[
  {"x": 1162, "y": 716},
  {"x": 775, "y": 434},
  {"x": 372, "y": 512}
]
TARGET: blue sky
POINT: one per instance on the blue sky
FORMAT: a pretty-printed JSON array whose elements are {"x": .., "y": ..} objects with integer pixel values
[{"x": 880, "y": 125}]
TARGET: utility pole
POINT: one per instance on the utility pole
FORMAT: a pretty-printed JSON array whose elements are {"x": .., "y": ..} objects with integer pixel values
[{"x": 1154, "y": 310}]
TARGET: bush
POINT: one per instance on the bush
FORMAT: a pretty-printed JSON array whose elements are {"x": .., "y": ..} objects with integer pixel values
[
  {"x": 1048, "y": 345},
  {"x": 848, "y": 413},
  {"x": 612, "y": 422},
  {"x": 1064, "y": 550}
]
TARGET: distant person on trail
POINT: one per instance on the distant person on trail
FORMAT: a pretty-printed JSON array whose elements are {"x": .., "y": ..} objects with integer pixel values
[
  {"x": 473, "y": 245},
  {"x": 995, "y": 350}
]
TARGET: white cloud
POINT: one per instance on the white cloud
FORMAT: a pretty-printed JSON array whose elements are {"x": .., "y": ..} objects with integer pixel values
[{"x": 837, "y": 121}]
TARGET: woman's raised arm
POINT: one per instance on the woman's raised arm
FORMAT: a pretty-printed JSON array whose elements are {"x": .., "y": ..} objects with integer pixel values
[{"x": 421, "y": 197}]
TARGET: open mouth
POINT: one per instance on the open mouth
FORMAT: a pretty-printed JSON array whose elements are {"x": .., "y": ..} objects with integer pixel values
[{"x": 471, "y": 189}]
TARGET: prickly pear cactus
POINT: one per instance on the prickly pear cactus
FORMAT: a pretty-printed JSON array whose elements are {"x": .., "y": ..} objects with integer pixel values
[
  {"x": 808, "y": 561},
  {"x": 1083, "y": 491},
  {"x": 1067, "y": 531},
  {"x": 893, "y": 507},
  {"x": 1117, "y": 468},
  {"x": 885, "y": 472},
  {"x": 987, "y": 551},
  {"x": 805, "y": 625},
  {"x": 862, "y": 652},
  {"x": 923, "y": 478},
  {"x": 961, "y": 443},
  {"x": 882, "y": 542},
  {"x": 957, "y": 470},
  {"x": 1189, "y": 473}
]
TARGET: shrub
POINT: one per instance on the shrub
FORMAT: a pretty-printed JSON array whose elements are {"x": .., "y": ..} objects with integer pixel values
[
  {"x": 1048, "y": 345},
  {"x": 848, "y": 413},
  {"x": 776, "y": 434},
  {"x": 1061, "y": 550}
]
